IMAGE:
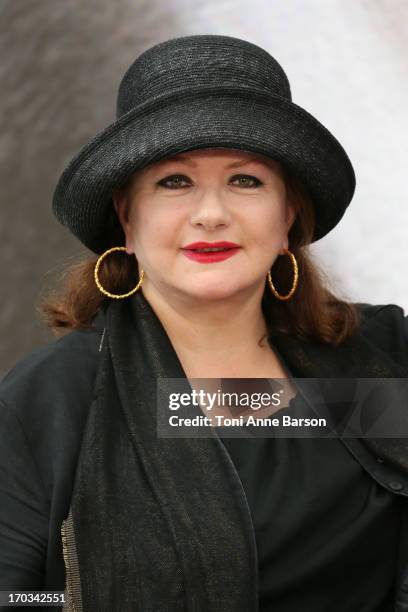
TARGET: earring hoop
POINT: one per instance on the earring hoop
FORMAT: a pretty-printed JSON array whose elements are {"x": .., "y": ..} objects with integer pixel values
[
  {"x": 295, "y": 279},
  {"x": 116, "y": 296}
]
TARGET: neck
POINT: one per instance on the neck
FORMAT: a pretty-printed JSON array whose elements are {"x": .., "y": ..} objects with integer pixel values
[{"x": 213, "y": 331}]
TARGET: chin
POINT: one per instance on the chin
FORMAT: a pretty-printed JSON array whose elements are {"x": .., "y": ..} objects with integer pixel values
[{"x": 211, "y": 293}]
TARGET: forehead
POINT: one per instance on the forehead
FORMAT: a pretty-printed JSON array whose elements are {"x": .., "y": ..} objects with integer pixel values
[{"x": 231, "y": 158}]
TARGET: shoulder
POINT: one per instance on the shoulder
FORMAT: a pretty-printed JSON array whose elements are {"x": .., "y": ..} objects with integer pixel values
[
  {"x": 386, "y": 326},
  {"x": 53, "y": 379},
  {"x": 387, "y": 311},
  {"x": 384, "y": 315},
  {"x": 44, "y": 403}
]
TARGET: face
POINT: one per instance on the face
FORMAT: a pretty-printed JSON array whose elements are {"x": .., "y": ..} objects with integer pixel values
[{"x": 207, "y": 195}]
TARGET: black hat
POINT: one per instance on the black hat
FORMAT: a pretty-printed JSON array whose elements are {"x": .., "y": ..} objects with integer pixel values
[{"x": 195, "y": 92}]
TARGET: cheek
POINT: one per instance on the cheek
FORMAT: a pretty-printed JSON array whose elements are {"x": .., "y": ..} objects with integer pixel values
[
  {"x": 266, "y": 224},
  {"x": 156, "y": 230}
]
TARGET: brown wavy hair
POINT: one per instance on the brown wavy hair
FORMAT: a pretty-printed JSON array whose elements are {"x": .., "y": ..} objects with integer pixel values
[{"x": 314, "y": 312}]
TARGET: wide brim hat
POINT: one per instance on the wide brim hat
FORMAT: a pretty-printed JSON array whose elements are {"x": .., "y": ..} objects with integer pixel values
[{"x": 195, "y": 92}]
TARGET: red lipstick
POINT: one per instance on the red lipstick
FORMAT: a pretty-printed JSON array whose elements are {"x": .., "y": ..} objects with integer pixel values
[
  {"x": 229, "y": 249},
  {"x": 223, "y": 244}
]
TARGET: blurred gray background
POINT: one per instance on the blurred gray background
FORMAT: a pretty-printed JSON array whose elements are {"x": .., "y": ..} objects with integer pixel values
[{"x": 62, "y": 62}]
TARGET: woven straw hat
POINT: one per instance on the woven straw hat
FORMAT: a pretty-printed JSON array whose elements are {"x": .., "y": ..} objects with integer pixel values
[{"x": 195, "y": 92}]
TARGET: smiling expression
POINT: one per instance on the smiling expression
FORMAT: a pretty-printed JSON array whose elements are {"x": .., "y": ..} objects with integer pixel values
[{"x": 206, "y": 195}]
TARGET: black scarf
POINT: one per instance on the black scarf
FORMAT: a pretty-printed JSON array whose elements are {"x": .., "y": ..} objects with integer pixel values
[{"x": 161, "y": 524}]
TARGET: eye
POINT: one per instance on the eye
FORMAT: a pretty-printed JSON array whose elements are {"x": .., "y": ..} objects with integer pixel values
[
  {"x": 246, "y": 178},
  {"x": 175, "y": 181},
  {"x": 172, "y": 180}
]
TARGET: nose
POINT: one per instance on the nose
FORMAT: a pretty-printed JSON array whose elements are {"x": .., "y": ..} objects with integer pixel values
[{"x": 209, "y": 210}]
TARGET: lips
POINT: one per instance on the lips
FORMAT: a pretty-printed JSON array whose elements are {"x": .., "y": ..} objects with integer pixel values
[
  {"x": 193, "y": 246},
  {"x": 210, "y": 256}
]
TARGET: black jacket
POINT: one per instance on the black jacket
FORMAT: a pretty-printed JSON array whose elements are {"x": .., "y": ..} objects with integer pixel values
[{"x": 44, "y": 401}]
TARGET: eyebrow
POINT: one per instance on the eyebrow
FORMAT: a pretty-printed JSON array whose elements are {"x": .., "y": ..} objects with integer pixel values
[{"x": 236, "y": 164}]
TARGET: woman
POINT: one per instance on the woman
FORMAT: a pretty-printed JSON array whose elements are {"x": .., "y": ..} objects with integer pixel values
[{"x": 208, "y": 147}]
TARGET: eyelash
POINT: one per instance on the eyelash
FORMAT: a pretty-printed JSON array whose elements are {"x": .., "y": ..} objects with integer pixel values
[{"x": 173, "y": 176}]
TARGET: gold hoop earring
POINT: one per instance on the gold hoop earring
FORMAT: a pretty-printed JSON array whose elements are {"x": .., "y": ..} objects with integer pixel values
[
  {"x": 295, "y": 279},
  {"x": 98, "y": 283}
]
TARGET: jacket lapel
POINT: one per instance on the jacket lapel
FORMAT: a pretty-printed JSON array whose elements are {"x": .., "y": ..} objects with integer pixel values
[{"x": 358, "y": 357}]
